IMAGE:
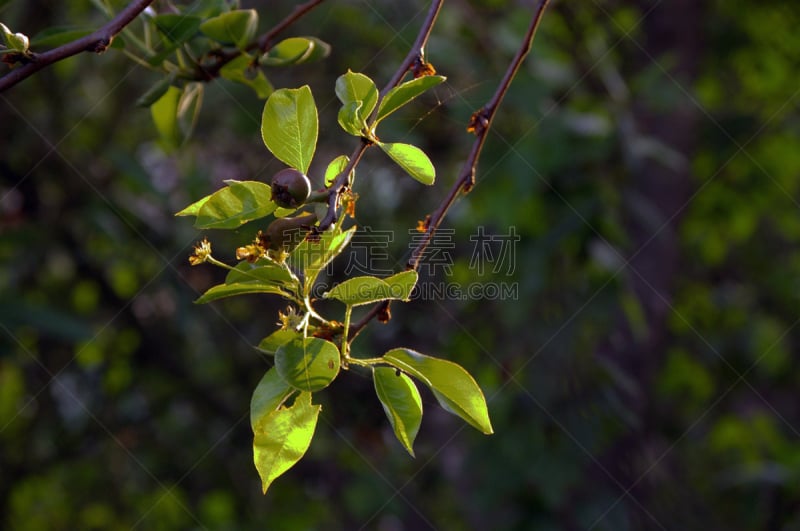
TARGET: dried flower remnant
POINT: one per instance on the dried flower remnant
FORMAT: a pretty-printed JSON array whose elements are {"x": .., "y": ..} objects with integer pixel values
[{"x": 202, "y": 252}]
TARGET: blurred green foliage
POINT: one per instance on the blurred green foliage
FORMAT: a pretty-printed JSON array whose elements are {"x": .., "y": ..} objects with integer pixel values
[{"x": 645, "y": 377}]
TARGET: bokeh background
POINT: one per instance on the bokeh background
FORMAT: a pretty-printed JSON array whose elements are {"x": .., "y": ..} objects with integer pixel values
[{"x": 644, "y": 377}]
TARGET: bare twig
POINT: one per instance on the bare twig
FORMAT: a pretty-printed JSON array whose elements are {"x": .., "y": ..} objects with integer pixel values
[
  {"x": 264, "y": 42},
  {"x": 342, "y": 181},
  {"x": 480, "y": 124},
  {"x": 96, "y": 42}
]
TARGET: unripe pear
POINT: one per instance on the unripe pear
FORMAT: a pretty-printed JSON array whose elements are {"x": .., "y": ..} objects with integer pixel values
[
  {"x": 290, "y": 188},
  {"x": 287, "y": 233}
]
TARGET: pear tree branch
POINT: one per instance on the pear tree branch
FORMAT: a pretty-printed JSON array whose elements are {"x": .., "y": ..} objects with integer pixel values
[
  {"x": 414, "y": 56},
  {"x": 480, "y": 123},
  {"x": 96, "y": 42}
]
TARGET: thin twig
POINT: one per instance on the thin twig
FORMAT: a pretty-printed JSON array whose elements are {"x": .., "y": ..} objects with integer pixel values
[
  {"x": 264, "y": 42},
  {"x": 97, "y": 42},
  {"x": 342, "y": 181},
  {"x": 480, "y": 124}
]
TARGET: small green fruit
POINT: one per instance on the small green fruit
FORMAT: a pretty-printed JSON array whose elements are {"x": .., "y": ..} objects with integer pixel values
[
  {"x": 290, "y": 188},
  {"x": 287, "y": 233}
]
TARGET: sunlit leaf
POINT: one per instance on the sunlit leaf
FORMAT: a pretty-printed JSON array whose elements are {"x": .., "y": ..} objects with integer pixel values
[
  {"x": 336, "y": 167},
  {"x": 454, "y": 388},
  {"x": 283, "y": 437},
  {"x": 222, "y": 291},
  {"x": 401, "y": 402},
  {"x": 413, "y": 160},
  {"x": 403, "y": 94},
  {"x": 281, "y": 212},
  {"x": 234, "y": 205},
  {"x": 165, "y": 116},
  {"x": 311, "y": 257},
  {"x": 271, "y": 343},
  {"x": 18, "y": 42},
  {"x": 308, "y": 364},
  {"x": 265, "y": 271},
  {"x": 268, "y": 395},
  {"x": 289, "y": 126},
  {"x": 194, "y": 208},
  {"x": 365, "y": 290},
  {"x": 296, "y": 50},
  {"x": 350, "y": 119},
  {"x": 352, "y": 86}
]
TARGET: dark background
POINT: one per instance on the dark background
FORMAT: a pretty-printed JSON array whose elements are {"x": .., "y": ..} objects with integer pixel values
[{"x": 644, "y": 377}]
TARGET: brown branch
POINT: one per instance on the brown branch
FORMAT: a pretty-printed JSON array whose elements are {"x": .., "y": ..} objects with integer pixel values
[
  {"x": 97, "y": 42},
  {"x": 480, "y": 123},
  {"x": 342, "y": 181},
  {"x": 262, "y": 43}
]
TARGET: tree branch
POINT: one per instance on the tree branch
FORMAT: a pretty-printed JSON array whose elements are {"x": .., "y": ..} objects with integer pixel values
[
  {"x": 480, "y": 123},
  {"x": 414, "y": 55},
  {"x": 264, "y": 42},
  {"x": 96, "y": 42}
]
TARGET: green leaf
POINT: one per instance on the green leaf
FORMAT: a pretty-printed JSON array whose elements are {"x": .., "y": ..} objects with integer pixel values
[
  {"x": 268, "y": 395},
  {"x": 296, "y": 50},
  {"x": 308, "y": 364},
  {"x": 283, "y": 438},
  {"x": 177, "y": 28},
  {"x": 188, "y": 110},
  {"x": 234, "y": 27},
  {"x": 156, "y": 91},
  {"x": 320, "y": 51},
  {"x": 350, "y": 119},
  {"x": 311, "y": 257},
  {"x": 336, "y": 167},
  {"x": 401, "y": 402},
  {"x": 234, "y": 205},
  {"x": 403, "y": 94},
  {"x": 352, "y": 87},
  {"x": 281, "y": 212},
  {"x": 366, "y": 290},
  {"x": 19, "y": 42},
  {"x": 194, "y": 208},
  {"x": 264, "y": 270},
  {"x": 454, "y": 388},
  {"x": 288, "y": 52},
  {"x": 289, "y": 126},
  {"x": 242, "y": 70},
  {"x": 175, "y": 113},
  {"x": 413, "y": 160},
  {"x": 222, "y": 291},
  {"x": 165, "y": 116},
  {"x": 271, "y": 343}
]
